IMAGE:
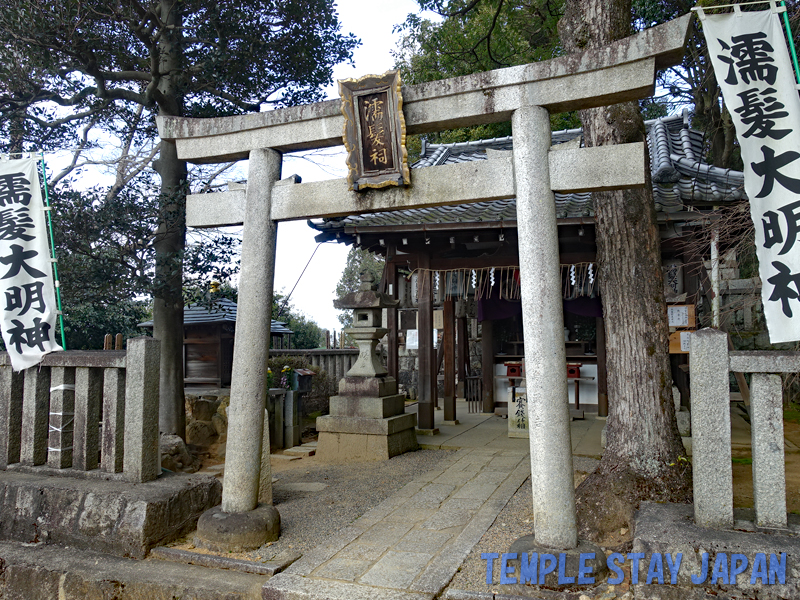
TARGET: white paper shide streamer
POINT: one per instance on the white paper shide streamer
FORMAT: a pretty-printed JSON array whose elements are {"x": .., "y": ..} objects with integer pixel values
[
  {"x": 27, "y": 293},
  {"x": 752, "y": 66}
]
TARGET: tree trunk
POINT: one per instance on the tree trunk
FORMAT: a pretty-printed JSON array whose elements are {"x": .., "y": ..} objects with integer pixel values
[
  {"x": 643, "y": 445},
  {"x": 170, "y": 238}
]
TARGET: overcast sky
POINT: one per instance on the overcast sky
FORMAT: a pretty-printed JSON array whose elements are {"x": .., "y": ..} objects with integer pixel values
[{"x": 372, "y": 22}]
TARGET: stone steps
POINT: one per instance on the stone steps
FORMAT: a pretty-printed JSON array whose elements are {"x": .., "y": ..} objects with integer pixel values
[
  {"x": 186, "y": 557},
  {"x": 303, "y": 450},
  {"x": 285, "y": 456}
]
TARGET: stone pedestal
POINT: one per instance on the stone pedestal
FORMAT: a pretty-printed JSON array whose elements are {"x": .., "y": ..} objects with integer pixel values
[
  {"x": 219, "y": 531},
  {"x": 367, "y": 422},
  {"x": 367, "y": 419}
]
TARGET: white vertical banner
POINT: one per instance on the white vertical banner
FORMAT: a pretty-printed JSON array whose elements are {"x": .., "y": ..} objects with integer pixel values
[
  {"x": 752, "y": 66},
  {"x": 27, "y": 293}
]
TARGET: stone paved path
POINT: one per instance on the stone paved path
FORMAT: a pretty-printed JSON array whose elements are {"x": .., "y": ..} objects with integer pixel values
[{"x": 410, "y": 546}]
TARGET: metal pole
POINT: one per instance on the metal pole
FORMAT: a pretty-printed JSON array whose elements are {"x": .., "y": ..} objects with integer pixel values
[
  {"x": 791, "y": 42},
  {"x": 53, "y": 255}
]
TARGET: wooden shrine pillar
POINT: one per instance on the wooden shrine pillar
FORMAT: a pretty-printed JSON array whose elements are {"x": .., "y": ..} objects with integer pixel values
[
  {"x": 425, "y": 354},
  {"x": 602, "y": 381},
  {"x": 436, "y": 366},
  {"x": 392, "y": 322},
  {"x": 487, "y": 364},
  {"x": 462, "y": 356},
  {"x": 449, "y": 345}
]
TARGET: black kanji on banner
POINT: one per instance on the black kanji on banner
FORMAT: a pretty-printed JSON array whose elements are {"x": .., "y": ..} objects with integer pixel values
[
  {"x": 14, "y": 189},
  {"x": 17, "y": 260},
  {"x": 782, "y": 290},
  {"x": 16, "y": 224},
  {"x": 25, "y": 297},
  {"x": 32, "y": 337},
  {"x": 773, "y": 234},
  {"x": 749, "y": 55},
  {"x": 27, "y": 293},
  {"x": 770, "y": 171},
  {"x": 760, "y": 110}
]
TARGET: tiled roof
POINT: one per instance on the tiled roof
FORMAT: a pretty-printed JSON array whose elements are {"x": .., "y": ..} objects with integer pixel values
[
  {"x": 223, "y": 311},
  {"x": 679, "y": 178}
]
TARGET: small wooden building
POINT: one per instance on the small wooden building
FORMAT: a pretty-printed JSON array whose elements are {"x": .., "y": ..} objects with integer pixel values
[{"x": 208, "y": 334}]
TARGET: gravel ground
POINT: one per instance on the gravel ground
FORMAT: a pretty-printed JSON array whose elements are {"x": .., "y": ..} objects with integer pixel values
[
  {"x": 515, "y": 521},
  {"x": 308, "y": 518}
]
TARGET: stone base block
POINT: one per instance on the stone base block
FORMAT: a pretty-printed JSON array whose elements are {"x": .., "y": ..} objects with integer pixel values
[
  {"x": 365, "y": 426},
  {"x": 367, "y": 386},
  {"x": 346, "y": 447},
  {"x": 663, "y": 529},
  {"x": 237, "y": 532},
  {"x": 115, "y": 517},
  {"x": 431, "y": 432},
  {"x": 367, "y": 407}
]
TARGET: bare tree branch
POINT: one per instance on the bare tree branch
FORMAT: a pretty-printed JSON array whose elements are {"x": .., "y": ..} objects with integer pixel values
[
  {"x": 76, "y": 153},
  {"x": 461, "y": 12},
  {"x": 209, "y": 179}
]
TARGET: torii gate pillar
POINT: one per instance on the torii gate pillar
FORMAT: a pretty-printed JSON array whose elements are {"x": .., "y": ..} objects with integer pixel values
[
  {"x": 241, "y": 523},
  {"x": 543, "y": 326}
]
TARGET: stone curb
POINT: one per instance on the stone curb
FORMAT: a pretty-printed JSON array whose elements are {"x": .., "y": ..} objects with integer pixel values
[
  {"x": 465, "y": 595},
  {"x": 295, "y": 587},
  {"x": 212, "y": 561},
  {"x": 430, "y": 447}
]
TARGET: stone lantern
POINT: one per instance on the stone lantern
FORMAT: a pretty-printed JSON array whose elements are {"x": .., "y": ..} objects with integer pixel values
[{"x": 367, "y": 419}]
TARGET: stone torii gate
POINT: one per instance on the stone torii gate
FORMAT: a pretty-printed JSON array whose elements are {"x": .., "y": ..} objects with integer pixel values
[{"x": 525, "y": 95}]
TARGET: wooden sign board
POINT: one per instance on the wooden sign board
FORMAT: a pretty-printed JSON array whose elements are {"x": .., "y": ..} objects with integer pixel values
[
  {"x": 438, "y": 319},
  {"x": 679, "y": 342},
  {"x": 412, "y": 339},
  {"x": 681, "y": 315},
  {"x": 374, "y": 131}
]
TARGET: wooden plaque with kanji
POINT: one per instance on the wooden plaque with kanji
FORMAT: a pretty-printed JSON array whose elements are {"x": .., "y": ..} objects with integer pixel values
[{"x": 374, "y": 131}]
